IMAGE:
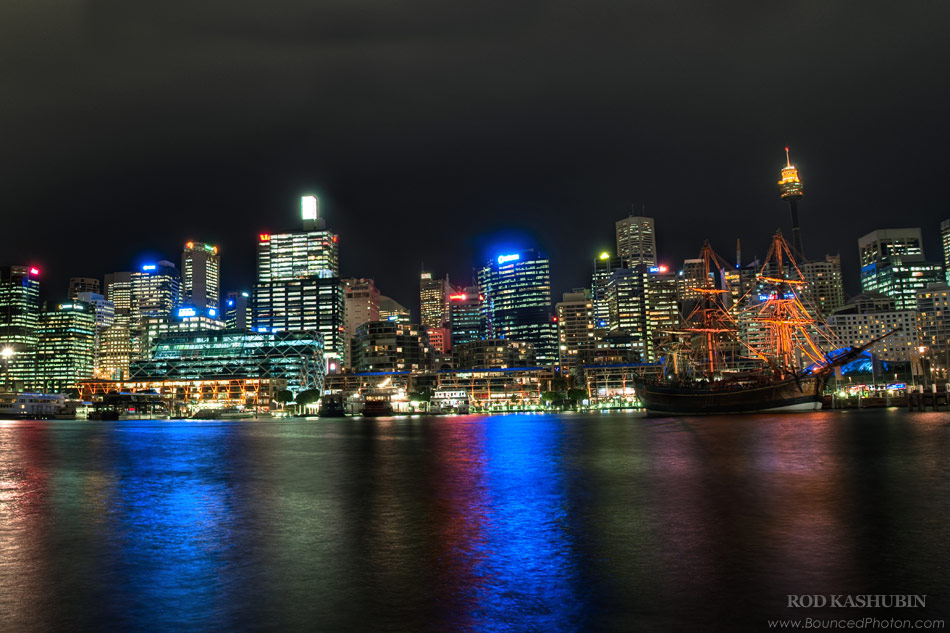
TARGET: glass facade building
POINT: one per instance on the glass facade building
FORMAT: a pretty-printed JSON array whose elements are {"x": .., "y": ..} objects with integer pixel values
[
  {"x": 156, "y": 290},
  {"x": 294, "y": 357},
  {"x": 19, "y": 319},
  {"x": 893, "y": 263},
  {"x": 466, "y": 318},
  {"x": 65, "y": 350},
  {"x": 298, "y": 284},
  {"x": 517, "y": 302}
]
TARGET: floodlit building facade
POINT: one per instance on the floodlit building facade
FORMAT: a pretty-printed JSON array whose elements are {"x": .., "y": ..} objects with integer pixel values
[
  {"x": 200, "y": 275},
  {"x": 517, "y": 302}
]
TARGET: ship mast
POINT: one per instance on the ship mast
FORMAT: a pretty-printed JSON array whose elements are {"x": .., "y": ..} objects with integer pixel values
[
  {"x": 709, "y": 318},
  {"x": 787, "y": 325}
]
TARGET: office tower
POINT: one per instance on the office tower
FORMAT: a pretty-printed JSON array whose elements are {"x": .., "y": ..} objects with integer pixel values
[
  {"x": 691, "y": 277},
  {"x": 104, "y": 315},
  {"x": 824, "y": 288},
  {"x": 82, "y": 284},
  {"x": 603, "y": 267},
  {"x": 298, "y": 283},
  {"x": 236, "y": 313},
  {"x": 517, "y": 302},
  {"x": 114, "y": 352},
  {"x": 19, "y": 318},
  {"x": 156, "y": 290},
  {"x": 200, "y": 275},
  {"x": 870, "y": 315},
  {"x": 390, "y": 346},
  {"x": 945, "y": 244},
  {"x": 575, "y": 329},
  {"x": 118, "y": 290},
  {"x": 661, "y": 305},
  {"x": 392, "y": 310},
  {"x": 791, "y": 190},
  {"x": 933, "y": 325},
  {"x": 65, "y": 348},
  {"x": 643, "y": 304},
  {"x": 893, "y": 263},
  {"x": 434, "y": 300},
  {"x": 361, "y": 305},
  {"x": 466, "y": 317},
  {"x": 636, "y": 241}
]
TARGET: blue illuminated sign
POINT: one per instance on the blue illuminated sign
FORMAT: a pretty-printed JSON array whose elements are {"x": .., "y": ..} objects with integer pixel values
[
  {"x": 654, "y": 269},
  {"x": 212, "y": 312},
  {"x": 186, "y": 312},
  {"x": 230, "y": 302},
  {"x": 508, "y": 258},
  {"x": 393, "y": 317},
  {"x": 148, "y": 267}
]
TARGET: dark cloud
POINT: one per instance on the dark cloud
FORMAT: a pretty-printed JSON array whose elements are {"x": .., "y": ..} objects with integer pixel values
[{"x": 435, "y": 131}]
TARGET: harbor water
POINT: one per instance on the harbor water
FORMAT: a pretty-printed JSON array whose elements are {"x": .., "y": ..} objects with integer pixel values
[{"x": 566, "y": 522}]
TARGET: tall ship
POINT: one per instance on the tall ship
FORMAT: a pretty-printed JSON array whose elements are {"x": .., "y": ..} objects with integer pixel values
[{"x": 744, "y": 349}]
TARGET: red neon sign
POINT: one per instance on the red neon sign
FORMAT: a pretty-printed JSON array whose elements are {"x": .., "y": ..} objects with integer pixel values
[
  {"x": 458, "y": 297},
  {"x": 34, "y": 270},
  {"x": 265, "y": 237}
]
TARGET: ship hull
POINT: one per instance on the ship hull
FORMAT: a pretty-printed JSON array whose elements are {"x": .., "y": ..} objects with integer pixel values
[{"x": 785, "y": 396}]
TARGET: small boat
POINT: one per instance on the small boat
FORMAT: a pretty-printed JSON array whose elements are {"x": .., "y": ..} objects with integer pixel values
[
  {"x": 377, "y": 408},
  {"x": 332, "y": 406}
]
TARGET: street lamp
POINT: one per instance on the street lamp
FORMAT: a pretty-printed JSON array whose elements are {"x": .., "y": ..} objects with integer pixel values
[
  {"x": 6, "y": 354},
  {"x": 923, "y": 369}
]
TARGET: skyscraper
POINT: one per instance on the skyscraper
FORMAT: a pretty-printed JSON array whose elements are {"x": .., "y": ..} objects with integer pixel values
[
  {"x": 115, "y": 351},
  {"x": 893, "y": 263},
  {"x": 603, "y": 267},
  {"x": 575, "y": 329},
  {"x": 466, "y": 318},
  {"x": 104, "y": 315},
  {"x": 945, "y": 244},
  {"x": 19, "y": 319},
  {"x": 82, "y": 284},
  {"x": 298, "y": 283},
  {"x": 200, "y": 275},
  {"x": 434, "y": 300},
  {"x": 636, "y": 241},
  {"x": 156, "y": 290},
  {"x": 791, "y": 190},
  {"x": 824, "y": 286},
  {"x": 361, "y": 305},
  {"x": 236, "y": 314},
  {"x": 65, "y": 347},
  {"x": 517, "y": 304}
]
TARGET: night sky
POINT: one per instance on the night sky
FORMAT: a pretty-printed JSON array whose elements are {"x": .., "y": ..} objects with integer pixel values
[{"x": 446, "y": 132}]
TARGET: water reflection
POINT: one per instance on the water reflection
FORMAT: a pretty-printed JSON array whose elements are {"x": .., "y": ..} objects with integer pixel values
[{"x": 503, "y": 523}]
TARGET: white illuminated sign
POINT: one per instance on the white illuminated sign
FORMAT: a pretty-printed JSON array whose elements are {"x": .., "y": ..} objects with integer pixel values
[
  {"x": 186, "y": 312},
  {"x": 308, "y": 207},
  {"x": 508, "y": 258}
]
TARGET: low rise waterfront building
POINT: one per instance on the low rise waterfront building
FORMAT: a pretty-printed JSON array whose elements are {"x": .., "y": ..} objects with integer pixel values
[{"x": 493, "y": 353}]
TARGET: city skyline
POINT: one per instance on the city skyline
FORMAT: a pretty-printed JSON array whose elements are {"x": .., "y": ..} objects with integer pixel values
[
  {"x": 488, "y": 129},
  {"x": 51, "y": 293}
]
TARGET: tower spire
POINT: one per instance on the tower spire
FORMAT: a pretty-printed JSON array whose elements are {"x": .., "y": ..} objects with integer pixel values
[{"x": 790, "y": 189}]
